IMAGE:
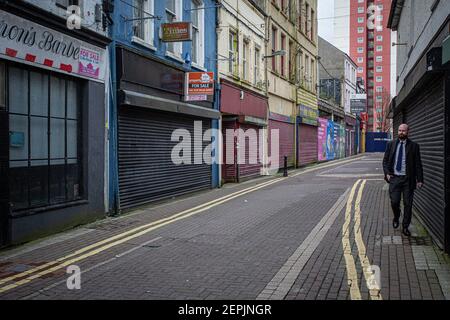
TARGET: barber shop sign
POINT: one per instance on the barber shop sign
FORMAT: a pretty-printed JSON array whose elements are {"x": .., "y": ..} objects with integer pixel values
[{"x": 32, "y": 43}]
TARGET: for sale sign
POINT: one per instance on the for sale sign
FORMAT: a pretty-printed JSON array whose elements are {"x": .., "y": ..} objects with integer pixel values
[{"x": 199, "y": 83}]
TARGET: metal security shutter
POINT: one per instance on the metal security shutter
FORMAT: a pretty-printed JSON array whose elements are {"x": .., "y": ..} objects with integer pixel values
[
  {"x": 286, "y": 146},
  {"x": 425, "y": 117},
  {"x": 146, "y": 170},
  {"x": 229, "y": 168},
  {"x": 307, "y": 149},
  {"x": 252, "y": 169}
]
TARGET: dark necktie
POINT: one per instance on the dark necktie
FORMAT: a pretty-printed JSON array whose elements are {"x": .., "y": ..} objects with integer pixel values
[{"x": 400, "y": 158}]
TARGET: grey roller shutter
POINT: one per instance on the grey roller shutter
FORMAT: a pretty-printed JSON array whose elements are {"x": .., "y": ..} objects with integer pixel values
[
  {"x": 425, "y": 118},
  {"x": 146, "y": 170}
]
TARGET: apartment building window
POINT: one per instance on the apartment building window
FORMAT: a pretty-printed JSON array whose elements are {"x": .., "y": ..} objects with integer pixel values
[
  {"x": 291, "y": 69},
  {"x": 379, "y": 89},
  {"x": 360, "y": 20},
  {"x": 360, "y": 9},
  {"x": 274, "y": 48},
  {"x": 360, "y": 69},
  {"x": 360, "y": 60},
  {"x": 379, "y": 98},
  {"x": 313, "y": 23},
  {"x": 173, "y": 14},
  {"x": 360, "y": 1},
  {"x": 380, "y": 7},
  {"x": 379, "y": 58},
  {"x": 284, "y": 6},
  {"x": 300, "y": 15},
  {"x": 379, "y": 79},
  {"x": 245, "y": 56},
  {"x": 197, "y": 18},
  {"x": 307, "y": 18},
  {"x": 143, "y": 29},
  {"x": 300, "y": 71},
  {"x": 379, "y": 38},
  {"x": 360, "y": 50},
  {"x": 256, "y": 72},
  {"x": 379, "y": 48},
  {"x": 361, "y": 40},
  {"x": 379, "y": 18},
  {"x": 360, "y": 30},
  {"x": 307, "y": 71},
  {"x": 313, "y": 76},
  {"x": 283, "y": 58},
  {"x": 379, "y": 69},
  {"x": 232, "y": 51}
]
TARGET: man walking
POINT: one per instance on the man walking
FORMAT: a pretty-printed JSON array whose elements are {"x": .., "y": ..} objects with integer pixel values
[{"x": 403, "y": 171}]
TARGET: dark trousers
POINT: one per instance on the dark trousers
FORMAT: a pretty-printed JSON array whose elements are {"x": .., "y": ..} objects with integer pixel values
[{"x": 400, "y": 185}]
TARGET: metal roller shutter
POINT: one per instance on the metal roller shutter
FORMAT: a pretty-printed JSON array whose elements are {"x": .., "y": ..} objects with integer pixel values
[
  {"x": 426, "y": 121},
  {"x": 286, "y": 146},
  {"x": 146, "y": 170},
  {"x": 229, "y": 169},
  {"x": 248, "y": 169},
  {"x": 307, "y": 150}
]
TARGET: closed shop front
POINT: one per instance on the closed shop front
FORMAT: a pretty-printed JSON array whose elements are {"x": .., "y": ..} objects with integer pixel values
[
  {"x": 52, "y": 115},
  {"x": 424, "y": 115},
  {"x": 244, "y": 116},
  {"x": 307, "y": 141},
  {"x": 286, "y": 129},
  {"x": 307, "y": 149},
  {"x": 147, "y": 171},
  {"x": 162, "y": 146},
  {"x": 350, "y": 124}
]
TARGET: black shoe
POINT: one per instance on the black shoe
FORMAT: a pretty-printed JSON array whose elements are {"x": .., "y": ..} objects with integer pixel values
[
  {"x": 395, "y": 223},
  {"x": 406, "y": 232}
]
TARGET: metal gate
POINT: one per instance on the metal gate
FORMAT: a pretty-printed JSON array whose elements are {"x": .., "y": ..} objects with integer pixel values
[
  {"x": 147, "y": 172},
  {"x": 425, "y": 118},
  {"x": 307, "y": 149},
  {"x": 286, "y": 142}
]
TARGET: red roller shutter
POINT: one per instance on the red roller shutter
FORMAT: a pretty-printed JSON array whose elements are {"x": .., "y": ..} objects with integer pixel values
[
  {"x": 307, "y": 144},
  {"x": 286, "y": 146},
  {"x": 248, "y": 169}
]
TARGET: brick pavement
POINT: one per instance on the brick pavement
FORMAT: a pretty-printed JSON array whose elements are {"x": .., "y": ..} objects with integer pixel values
[{"x": 235, "y": 250}]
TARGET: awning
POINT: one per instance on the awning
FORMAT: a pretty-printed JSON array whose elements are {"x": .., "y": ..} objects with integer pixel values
[{"x": 156, "y": 103}]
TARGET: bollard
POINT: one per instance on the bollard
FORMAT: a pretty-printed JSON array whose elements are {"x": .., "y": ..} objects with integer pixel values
[{"x": 285, "y": 173}]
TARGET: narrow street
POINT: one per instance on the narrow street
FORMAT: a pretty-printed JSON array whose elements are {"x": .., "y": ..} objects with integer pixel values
[{"x": 324, "y": 232}]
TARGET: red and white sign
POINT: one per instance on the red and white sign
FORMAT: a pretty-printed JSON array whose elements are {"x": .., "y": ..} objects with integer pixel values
[
  {"x": 200, "y": 83},
  {"x": 28, "y": 42}
]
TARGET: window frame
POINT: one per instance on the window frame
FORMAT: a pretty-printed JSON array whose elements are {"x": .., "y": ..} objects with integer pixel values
[
  {"x": 177, "y": 17},
  {"x": 81, "y": 179},
  {"x": 200, "y": 45},
  {"x": 148, "y": 25}
]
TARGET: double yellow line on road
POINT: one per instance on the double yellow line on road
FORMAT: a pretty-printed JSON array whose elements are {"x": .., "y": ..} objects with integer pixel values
[
  {"x": 352, "y": 275},
  {"x": 25, "y": 277}
]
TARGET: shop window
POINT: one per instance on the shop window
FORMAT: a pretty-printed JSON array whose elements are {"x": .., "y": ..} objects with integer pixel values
[
  {"x": 2, "y": 87},
  {"x": 44, "y": 123}
]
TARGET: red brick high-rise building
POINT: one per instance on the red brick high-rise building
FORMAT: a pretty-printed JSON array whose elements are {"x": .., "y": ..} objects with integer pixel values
[{"x": 361, "y": 29}]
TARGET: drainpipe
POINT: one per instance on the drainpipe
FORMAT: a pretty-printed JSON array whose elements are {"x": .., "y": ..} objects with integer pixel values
[{"x": 112, "y": 125}]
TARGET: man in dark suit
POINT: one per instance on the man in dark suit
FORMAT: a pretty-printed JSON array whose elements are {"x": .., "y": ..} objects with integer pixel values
[{"x": 403, "y": 171}]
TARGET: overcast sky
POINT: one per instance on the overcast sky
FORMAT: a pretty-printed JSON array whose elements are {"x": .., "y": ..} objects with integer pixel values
[{"x": 326, "y": 10}]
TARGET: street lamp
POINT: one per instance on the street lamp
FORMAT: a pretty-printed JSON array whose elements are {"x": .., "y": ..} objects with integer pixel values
[{"x": 276, "y": 53}]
